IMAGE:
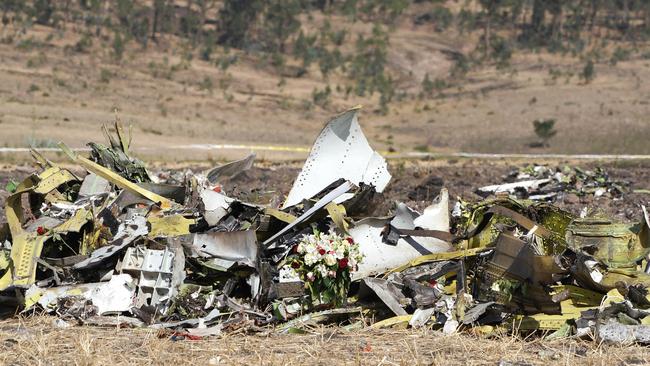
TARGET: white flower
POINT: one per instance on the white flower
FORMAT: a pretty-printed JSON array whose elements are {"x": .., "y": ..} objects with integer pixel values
[
  {"x": 321, "y": 269},
  {"x": 339, "y": 252},
  {"x": 330, "y": 260},
  {"x": 310, "y": 276},
  {"x": 332, "y": 274},
  {"x": 311, "y": 258},
  {"x": 352, "y": 263}
]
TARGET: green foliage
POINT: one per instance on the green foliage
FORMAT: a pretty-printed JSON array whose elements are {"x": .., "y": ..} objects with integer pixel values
[
  {"x": 321, "y": 97},
  {"x": 11, "y": 186},
  {"x": 501, "y": 52},
  {"x": 305, "y": 48},
  {"x": 507, "y": 288},
  {"x": 588, "y": 72},
  {"x": 43, "y": 11},
  {"x": 206, "y": 84},
  {"x": 544, "y": 129},
  {"x": 385, "y": 10},
  {"x": 105, "y": 76},
  {"x": 27, "y": 44},
  {"x": 440, "y": 16},
  {"x": 236, "y": 20},
  {"x": 369, "y": 61},
  {"x": 329, "y": 61},
  {"x": 280, "y": 22},
  {"x": 225, "y": 61},
  {"x": 118, "y": 46},
  {"x": 84, "y": 43},
  {"x": 620, "y": 54},
  {"x": 277, "y": 59}
]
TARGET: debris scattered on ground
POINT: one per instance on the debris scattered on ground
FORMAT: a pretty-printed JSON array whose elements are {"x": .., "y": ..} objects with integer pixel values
[
  {"x": 544, "y": 183},
  {"x": 121, "y": 247}
]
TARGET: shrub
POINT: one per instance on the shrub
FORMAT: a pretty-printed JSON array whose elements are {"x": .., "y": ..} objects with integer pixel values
[{"x": 588, "y": 72}]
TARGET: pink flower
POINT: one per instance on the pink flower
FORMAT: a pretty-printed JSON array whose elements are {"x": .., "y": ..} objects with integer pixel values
[{"x": 310, "y": 276}]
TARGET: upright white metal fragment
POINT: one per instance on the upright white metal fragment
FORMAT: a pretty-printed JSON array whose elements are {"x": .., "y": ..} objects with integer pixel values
[
  {"x": 216, "y": 205},
  {"x": 340, "y": 151}
]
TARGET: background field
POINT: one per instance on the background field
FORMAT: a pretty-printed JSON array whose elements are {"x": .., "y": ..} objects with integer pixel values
[{"x": 60, "y": 78}]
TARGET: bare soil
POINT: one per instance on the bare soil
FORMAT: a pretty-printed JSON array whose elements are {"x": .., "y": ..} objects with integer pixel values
[{"x": 415, "y": 182}]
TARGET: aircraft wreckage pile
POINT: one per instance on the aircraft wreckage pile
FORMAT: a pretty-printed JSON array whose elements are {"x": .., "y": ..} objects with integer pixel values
[{"x": 115, "y": 248}]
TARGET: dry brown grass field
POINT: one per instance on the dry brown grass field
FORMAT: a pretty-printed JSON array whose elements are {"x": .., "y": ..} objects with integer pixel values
[
  {"x": 35, "y": 341},
  {"x": 48, "y": 95}
]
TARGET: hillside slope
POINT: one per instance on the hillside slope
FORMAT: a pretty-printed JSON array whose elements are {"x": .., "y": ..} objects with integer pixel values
[{"x": 49, "y": 93}]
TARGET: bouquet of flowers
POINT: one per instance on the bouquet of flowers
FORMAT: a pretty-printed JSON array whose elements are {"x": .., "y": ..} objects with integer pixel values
[{"x": 324, "y": 262}]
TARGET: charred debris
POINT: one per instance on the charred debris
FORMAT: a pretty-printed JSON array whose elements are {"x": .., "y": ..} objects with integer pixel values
[{"x": 120, "y": 248}]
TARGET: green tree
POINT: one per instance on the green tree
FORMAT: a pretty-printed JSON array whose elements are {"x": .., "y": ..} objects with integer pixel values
[
  {"x": 368, "y": 64},
  {"x": 280, "y": 22},
  {"x": 44, "y": 11},
  {"x": 588, "y": 72},
  {"x": 118, "y": 46},
  {"x": 490, "y": 10},
  {"x": 236, "y": 20},
  {"x": 545, "y": 130}
]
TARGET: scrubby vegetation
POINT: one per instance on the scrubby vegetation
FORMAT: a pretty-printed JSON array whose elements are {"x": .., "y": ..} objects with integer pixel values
[{"x": 283, "y": 35}]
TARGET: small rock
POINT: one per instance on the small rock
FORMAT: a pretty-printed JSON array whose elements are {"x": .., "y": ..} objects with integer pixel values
[{"x": 571, "y": 199}]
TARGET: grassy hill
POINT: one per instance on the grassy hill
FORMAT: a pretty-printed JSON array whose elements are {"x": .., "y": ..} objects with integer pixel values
[{"x": 423, "y": 75}]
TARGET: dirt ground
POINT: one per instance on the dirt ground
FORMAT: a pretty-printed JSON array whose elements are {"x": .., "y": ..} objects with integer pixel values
[
  {"x": 36, "y": 341},
  {"x": 414, "y": 182}
]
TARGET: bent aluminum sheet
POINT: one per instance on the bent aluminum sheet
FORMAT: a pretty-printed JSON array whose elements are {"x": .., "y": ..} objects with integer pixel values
[
  {"x": 230, "y": 170},
  {"x": 387, "y": 292},
  {"x": 216, "y": 205},
  {"x": 380, "y": 257},
  {"x": 229, "y": 246},
  {"x": 340, "y": 151},
  {"x": 112, "y": 297},
  {"x": 330, "y": 197},
  {"x": 527, "y": 185},
  {"x": 127, "y": 233}
]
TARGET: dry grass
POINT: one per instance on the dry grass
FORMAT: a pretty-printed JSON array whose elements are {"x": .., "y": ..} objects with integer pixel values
[
  {"x": 35, "y": 341},
  {"x": 490, "y": 112}
]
